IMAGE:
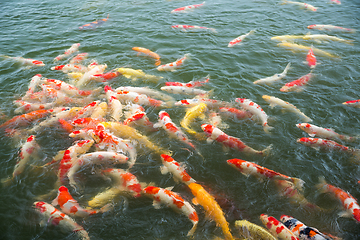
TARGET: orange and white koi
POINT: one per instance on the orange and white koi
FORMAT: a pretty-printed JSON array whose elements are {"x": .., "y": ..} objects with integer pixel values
[
  {"x": 335, "y": 1},
  {"x": 70, "y": 67},
  {"x": 87, "y": 110},
  {"x": 212, "y": 208},
  {"x": 94, "y": 24},
  {"x": 193, "y": 28},
  {"x": 124, "y": 180},
  {"x": 297, "y": 84},
  {"x": 137, "y": 115},
  {"x": 97, "y": 69},
  {"x": 28, "y": 150},
  {"x": 104, "y": 77},
  {"x": 148, "y": 53},
  {"x": 311, "y": 59},
  {"x": 26, "y": 61},
  {"x": 68, "y": 88},
  {"x": 113, "y": 103},
  {"x": 274, "y": 101},
  {"x": 173, "y": 66},
  {"x": 25, "y": 106},
  {"x": 57, "y": 218},
  {"x": 216, "y": 134},
  {"x": 184, "y": 90},
  {"x": 174, "y": 201},
  {"x": 68, "y": 52},
  {"x": 327, "y": 133},
  {"x": 276, "y": 228},
  {"x": 147, "y": 91},
  {"x": 301, "y": 230},
  {"x": 349, "y": 203},
  {"x": 190, "y": 84},
  {"x": 235, "y": 113},
  {"x": 352, "y": 103},
  {"x": 99, "y": 157},
  {"x": 170, "y": 127},
  {"x": 141, "y": 99},
  {"x": 301, "y": 4},
  {"x": 330, "y": 28},
  {"x": 256, "y": 110},
  {"x": 179, "y": 173},
  {"x": 79, "y": 58},
  {"x": 210, "y": 103},
  {"x": 274, "y": 78},
  {"x": 187, "y": 8},
  {"x": 239, "y": 39},
  {"x": 250, "y": 168},
  {"x": 100, "y": 111}
]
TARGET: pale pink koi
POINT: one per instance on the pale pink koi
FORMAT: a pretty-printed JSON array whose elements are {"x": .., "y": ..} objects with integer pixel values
[{"x": 79, "y": 58}]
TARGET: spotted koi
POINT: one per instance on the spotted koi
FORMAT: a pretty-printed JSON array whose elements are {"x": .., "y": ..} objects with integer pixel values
[
  {"x": 173, "y": 66},
  {"x": 327, "y": 133},
  {"x": 179, "y": 173},
  {"x": 239, "y": 39},
  {"x": 26, "y": 61},
  {"x": 297, "y": 84},
  {"x": 74, "y": 48},
  {"x": 276, "y": 228},
  {"x": 187, "y": 8}
]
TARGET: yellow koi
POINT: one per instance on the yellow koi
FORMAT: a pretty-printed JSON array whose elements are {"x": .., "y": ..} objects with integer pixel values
[
  {"x": 301, "y": 48},
  {"x": 137, "y": 74},
  {"x": 250, "y": 230},
  {"x": 192, "y": 113}
]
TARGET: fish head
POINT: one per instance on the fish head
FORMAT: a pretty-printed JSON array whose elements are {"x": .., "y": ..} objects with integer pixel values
[
  {"x": 207, "y": 128},
  {"x": 151, "y": 190},
  {"x": 266, "y": 97},
  {"x": 40, "y": 206},
  {"x": 311, "y": 26}
]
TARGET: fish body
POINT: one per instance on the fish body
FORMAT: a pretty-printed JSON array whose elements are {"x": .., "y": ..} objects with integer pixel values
[
  {"x": 330, "y": 28},
  {"x": 79, "y": 58},
  {"x": 235, "y": 112},
  {"x": 174, "y": 201},
  {"x": 187, "y": 8},
  {"x": 302, "y": 231},
  {"x": 26, "y": 118},
  {"x": 74, "y": 48},
  {"x": 87, "y": 110},
  {"x": 68, "y": 88},
  {"x": 70, "y": 68},
  {"x": 210, "y": 103},
  {"x": 149, "y": 53},
  {"x": 276, "y": 228},
  {"x": 26, "y": 106},
  {"x": 352, "y": 103},
  {"x": 212, "y": 208},
  {"x": 302, "y": 48},
  {"x": 335, "y": 1},
  {"x": 274, "y": 78},
  {"x": 239, "y": 39},
  {"x": 274, "y": 101},
  {"x": 193, "y": 28},
  {"x": 173, "y": 66},
  {"x": 250, "y": 168},
  {"x": 113, "y": 103},
  {"x": 215, "y": 133},
  {"x": 191, "y": 114},
  {"x": 124, "y": 181},
  {"x": 284, "y": 38},
  {"x": 26, "y": 61},
  {"x": 104, "y": 77},
  {"x": 324, "y": 37},
  {"x": 137, "y": 74},
  {"x": 141, "y": 99},
  {"x": 297, "y": 84},
  {"x": 349, "y": 203},
  {"x": 28, "y": 150},
  {"x": 179, "y": 173},
  {"x": 256, "y": 110},
  {"x": 190, "y": 84},
  {"x": 252, "y": 231},
  {"x": 94, "y": 24},
  {"x": 318, "y": 143},
  {"x": 301, "y": 4},
  {"x": 311, "y": 59},
  {"x": 183, "y": 90},
  {"x": 87, "y": 77},
  {"x": 316, "y": 131},
  {"x": 57, "y": 218},
  {"x": 137, "y": 115}
]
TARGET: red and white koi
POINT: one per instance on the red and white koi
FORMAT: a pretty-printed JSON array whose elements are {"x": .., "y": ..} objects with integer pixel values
[
  {"x": 352, "y": 103},
  {"x": 25, "y": 106},
  {"x": 147, "y": 91},
  {"x": 26, "y": 61},
  {"x": 34, "y": 83},
  {"x": 104, "y": 77},
  {"x": 349, "y": 203},
  {"x": 124, "y": 180},
  {"x": 79, "y": 58},
  {"x": 327, "y": 133},
  {"x": 297, "y": 85},
  {"x": 302, "y": 231},
  {"x": 235, "y": 113},
  {"x": 190, "y": 84},
  {"x": 216, "y": 134},
  {"x": 70, "y": 67},
  {"x": 57, "y": 218},
  {"x": 210, "y": 103},
  {"x": 301, "y": 4},
  {"x": 274, "y": 101},
  {"x": 173, "y": 66},
  {"x": 277, "y": 228},
  {"x": 184, "y": 90},
  {"x": 335, "y": 1},
  {"x": 179, "y": 173},
  {"x": 311, "y": 59},
  {"x": 99, "y": 157},
  {"x": 256, "y": 110},
  {"x": 187, "y": 8},
  {"x": 250, "y": 168},
  {"x": 193, "y": 28},
  {"x": 318, "y": 143},
  {"x": 137, "y": 115},
  {"x": 274, "y": 78},
  {"x": 141, "y": 99},
  {"x": 113, "y": 103},
  {"x": 174, "y": 201},
  {"x": 97, "y": 69},
  {"x": 239, "y": 39},
  {"x": 167, "y": 124},
  {"x": 68, "y": 52},
  {"x": 69, "y": 89},
  {"x": 87, "y": 110},
  {"x": 330, "y": 28}
]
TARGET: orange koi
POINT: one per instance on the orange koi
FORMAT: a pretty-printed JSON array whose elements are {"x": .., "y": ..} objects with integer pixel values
[
  {"x": 148, "y": 53},
  {"x": 311, "y": 59}
]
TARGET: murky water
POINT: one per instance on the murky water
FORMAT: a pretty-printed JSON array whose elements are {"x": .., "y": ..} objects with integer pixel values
[{"x": 44, "y": 29}]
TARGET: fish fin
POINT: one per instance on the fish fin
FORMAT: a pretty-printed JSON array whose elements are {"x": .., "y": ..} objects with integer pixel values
[
  {"x": 170, "y": 188},
  {"x": 345, "y": 214},
  {"x": 299, "y": 183},
  {"x": 127, "y": 75},
  {"x": 312, "y": 134},
  {"x": 209, "y": 140},
  {"x": 164, "y": 170},
  {"x": 43, "y": 223},
  {"x": 267, "y": 150},
  {"x": 316, "y": 148},
  {"x": 106, "y": 208},
  {"x": 318, "y": 41},
  {"x": 55, "y": 202},
  {"x": 195, "y": 201},
  {"x": 157, "y": 125},
  {"x": 6, "y": 182},
  {"x": 225, "y": 148},
  {"x": 192, "y": 230},
  {"x": 156, "y": 204},
  {"x": 321, "y": 185},
  {"x": 272, "y": 105}
]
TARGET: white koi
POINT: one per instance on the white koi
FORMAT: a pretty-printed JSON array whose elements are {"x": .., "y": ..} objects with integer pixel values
[
  {"x": 301, "y": 4},
  {"x": 331, "y": 28},
  {"x": 184, "y": 90},
  {"x": 26, "y": 61},
  {"x": 193, "y": 28},
  {"x": 274, "y": 78}
]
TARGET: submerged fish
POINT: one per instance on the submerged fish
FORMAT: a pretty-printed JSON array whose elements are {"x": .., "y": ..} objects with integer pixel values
[
  {"x": 252, "y": 231},
  {"x": 273, "y": 78},
  {"x": 94, "y": 24},
  {"x": 149, "y": 53},
  {"x": 330, "y": 28},
  {"x": 239, "y": 39},
  {"x": 302, "y": 48}
]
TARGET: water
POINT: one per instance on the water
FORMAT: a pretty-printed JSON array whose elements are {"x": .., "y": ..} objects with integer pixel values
[{"x": 43, "y": 30}]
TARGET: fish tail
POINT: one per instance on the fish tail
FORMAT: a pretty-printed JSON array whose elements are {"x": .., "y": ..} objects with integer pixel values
[
  {"x": 192, "y": 230},
  {"x": 252, "y": 32},
  {"x": 299, "y": 183},
  {"x": 106, "y": 208},
  {"x": 157, "y": 63},
  {"x": 350, "y": 42},
  {"x": 6, "y": 182},
  {"x": 213, "y": 30},
  {"x": 356, "y": 156},
  {"x": 321, "y": 185},
  {"x": 284, "y": 2},
  {"x": 267, "y": 150},
  {"x": 267, "y": 128}
]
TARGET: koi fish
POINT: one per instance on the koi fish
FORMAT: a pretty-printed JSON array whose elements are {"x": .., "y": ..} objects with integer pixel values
[
  {"x": 34, "y": 82},
  {"x": 276, "y": 228},
  {"x": 174, "y": 65},
  {"x": 210, "y": 103},
  {"x": 69, "y": 89},
  {"x": 68, "y": 52},
  {"x": 167, "y": 124},
  {"x": 104, "y": 77},
  {"x": 187, "y": 8},
  {"x": 87, "y": 110},
  {"x": 215, "y": 133},
  {"x": 137, "y": 98},
  {"x": 324, "y": 37},
  {"x": 297, "y": 84},
  {"x": 284, "y": 38},
  {"x": 149, "y": 53},
  {"x": 252, "y": 231},
  {"x": 100, "y": 111},
  {"x": 274, "y": 101},
  {"x": 327, "y": 133},
  {"x": 198, "y": 83},
  {"x": 330, "y": 28},
  {"x": 94, "y": 24},
  {"x": 303, "y": 5},
  {"x": 250, "y": 168},
  {"x": 26, "y": 61},
  {"x": 212, "y": 208},
  {"x": 191, "y": 114},
  {"x": 98, "y": 69},
  {"x": 99, "y": 157},
  {"x": 301, "y": 48},
  {"x": 137, "y": 74},
  {"x": 147, "y": 91},
  {"x": 178, "y": 172},
  {"x": 311, "y": 59},
  {"x": 114, "y": 103},
  {"x": 25, "y": 106},
  {"x": 301, "y": 230},
  {"x": 26, "y": 118},
  {"x": 349, "y": 203},
  {"x": 174, "y": 201},
  {"x": 352, "y": 103},
  {"x": 184, "y": 90},
  {"x": 70, "y": 206},
  {"x": 70, "y": 67},
  {"x": 79, "y": 58},
  {"x": 192, "y": 28},
  {"x": 137, "y": 115},
  {"x": 235, "y": 113},
  {"x": 335, "y": 1},
  {"x": 274, "y": 78},
  {"x": 239, "y": 39},
  {"x": 256, "y": 110},
  {"x": 124, "y": 180},
  {"x": 57, "y": 218}
]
